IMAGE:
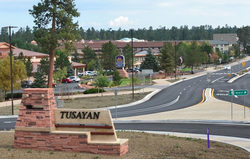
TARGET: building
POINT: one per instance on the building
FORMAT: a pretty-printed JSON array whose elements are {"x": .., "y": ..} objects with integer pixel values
[
  {"x": 231, "y": 38},
  {"x": 35, "y": 57},
  {"x": 223, "y": 46}
]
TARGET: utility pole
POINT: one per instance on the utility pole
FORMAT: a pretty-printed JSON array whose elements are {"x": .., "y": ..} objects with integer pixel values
[
  {"x": 133, "y": 96},
  {"x": 11, "y": 78},
  {"x": 175, "y": 58}
]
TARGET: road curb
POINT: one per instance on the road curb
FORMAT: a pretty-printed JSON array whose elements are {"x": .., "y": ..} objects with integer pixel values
[
  {"x": 146, "y": 98},
  {"x": 183, "y": 121}
]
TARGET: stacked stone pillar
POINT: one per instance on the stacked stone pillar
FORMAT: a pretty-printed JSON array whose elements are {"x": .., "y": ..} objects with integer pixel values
[{"x": 35, "y": 128}]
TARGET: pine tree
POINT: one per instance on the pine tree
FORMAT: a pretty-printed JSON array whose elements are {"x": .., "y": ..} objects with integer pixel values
[
  {"x": 116, "y": 78},
  {"x": 166, "y": 59},
  {"x": 150, "y": 62},
  {"x": 54, "y": 22},
  {"x": 109, "y": 52},
  {"x": 29, "y": 67},
  {"x": 40, "y": 79}
]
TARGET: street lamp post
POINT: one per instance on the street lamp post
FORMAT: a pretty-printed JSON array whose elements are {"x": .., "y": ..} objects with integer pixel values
[
  {"x": 11, "y": 78},
  {"x": 133, "y": 96},
  {"x": 175, "y": 58}
]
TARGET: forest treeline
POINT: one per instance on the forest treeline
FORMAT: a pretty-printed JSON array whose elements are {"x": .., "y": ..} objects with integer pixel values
[{"x": 24, "y": 36}]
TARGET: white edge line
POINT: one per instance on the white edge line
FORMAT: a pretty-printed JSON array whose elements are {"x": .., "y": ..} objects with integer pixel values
[{"x": 217, "y": 79}]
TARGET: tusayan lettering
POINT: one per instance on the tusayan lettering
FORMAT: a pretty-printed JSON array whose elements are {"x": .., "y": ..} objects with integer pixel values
[{"x": 79, "y": 115}]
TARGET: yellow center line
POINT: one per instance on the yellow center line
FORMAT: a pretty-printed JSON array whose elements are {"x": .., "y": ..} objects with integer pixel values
[
  {"x": 203, "y": 97},
  {"x": 213, "y": 94}
]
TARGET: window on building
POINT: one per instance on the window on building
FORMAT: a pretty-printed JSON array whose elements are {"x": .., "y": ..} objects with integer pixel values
[
  {"x": 141, "y": 59},
  {"x": 136, "y": 59}
]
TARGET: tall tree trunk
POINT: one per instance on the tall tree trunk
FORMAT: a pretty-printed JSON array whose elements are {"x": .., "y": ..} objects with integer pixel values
[{"x": 52, "y": 54}]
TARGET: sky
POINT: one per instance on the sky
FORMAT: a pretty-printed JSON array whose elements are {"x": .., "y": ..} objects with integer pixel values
[{"x": 127, "y": 14}]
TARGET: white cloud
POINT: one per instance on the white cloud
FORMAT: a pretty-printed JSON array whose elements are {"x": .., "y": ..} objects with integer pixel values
[
  {"x": 95, "y": 24},
  {"x": 82, "y": 24},
  {"x": 121, "y": 22},
  {"x": 163, "y": 4}
]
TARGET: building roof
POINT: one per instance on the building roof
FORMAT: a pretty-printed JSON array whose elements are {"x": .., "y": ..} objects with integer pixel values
[
  {"x": 145, "y": 52},
  {"x": 4, "y": 45},
  {"x": 28, "y": 53},
  {"x": 77, "y": 65},
  {"x": 217, "y": 42}
]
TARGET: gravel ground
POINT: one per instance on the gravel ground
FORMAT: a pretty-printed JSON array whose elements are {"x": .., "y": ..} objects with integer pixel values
[{"x": 141, "y": 146}]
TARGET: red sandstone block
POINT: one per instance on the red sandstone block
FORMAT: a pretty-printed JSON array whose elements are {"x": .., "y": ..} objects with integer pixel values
[
  {"x": 69, "y": 147},
  {"x": 18, "y": 135},
  {"x": 83, "y": 145},
  {"x": 19, "y": 141},
  {"x": 73, "y": 144},
  {"x": 105, "y": 147},
  {"x": 116, "y": 147},
  {"x": 58, "y": 148},
  {"x": 67, "y": 150},
  {"x": 95, "y": 151}
]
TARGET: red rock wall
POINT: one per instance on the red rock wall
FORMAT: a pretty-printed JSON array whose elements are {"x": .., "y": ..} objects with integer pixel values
[
  {"x": 67, "y": 143},
  {"x": 33, "y": 128},
  {"x": 41, "y": 118}
]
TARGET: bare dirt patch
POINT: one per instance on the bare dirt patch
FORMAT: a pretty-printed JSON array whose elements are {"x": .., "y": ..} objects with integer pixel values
[{"x": 141, "y": 146}]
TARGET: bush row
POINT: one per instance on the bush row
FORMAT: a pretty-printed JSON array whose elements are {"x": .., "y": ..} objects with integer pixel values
[
  {"x": 15, "y": 95},
  {"x": 93, "y": 90}
]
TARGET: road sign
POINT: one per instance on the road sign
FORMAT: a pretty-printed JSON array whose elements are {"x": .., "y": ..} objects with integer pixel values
[
  {"x": 238, "y": 92},
  {"x": 243, "y": 64},
  {"x": 120, "y": 61}
]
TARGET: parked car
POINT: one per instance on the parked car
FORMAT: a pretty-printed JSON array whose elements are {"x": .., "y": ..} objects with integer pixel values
[
  {"x": 66, "y": 80},
  {"x": 26, "y": 84},
  {"x": 75, "y": 78},
  {"x": 80, "y": 73},
  {"x": 131, "y": 70},
  {"x": 90, "y": 73},
  {"x": 227, "y": 67},
  {"x": 53, "y": 84}
]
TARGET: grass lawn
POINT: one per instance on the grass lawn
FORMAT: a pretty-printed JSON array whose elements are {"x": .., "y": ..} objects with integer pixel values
[
  {"x": 186, "y": 69},
  {"x": 129, "y": 81}
]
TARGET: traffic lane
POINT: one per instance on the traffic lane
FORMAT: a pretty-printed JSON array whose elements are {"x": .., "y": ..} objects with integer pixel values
[
  {"x": 235, "y": 130},
  {"x": 189, "y": 93},
  {"x": 221, "y": 92}
]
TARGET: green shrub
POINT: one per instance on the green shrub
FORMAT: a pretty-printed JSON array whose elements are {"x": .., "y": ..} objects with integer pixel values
[
  {"x": 83, "y": 82},
  {"x": 93, "y": 90},
  {"x": 15, "y": 95}
]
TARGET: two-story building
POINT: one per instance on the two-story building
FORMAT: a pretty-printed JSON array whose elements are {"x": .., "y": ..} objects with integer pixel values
[{"x": 35, "y": 57}]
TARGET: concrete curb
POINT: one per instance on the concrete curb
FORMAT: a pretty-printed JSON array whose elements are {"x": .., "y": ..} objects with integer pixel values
[
  {"x": 183, "y": 121},
  {"x": 237, "y": 77},
  {"x": 146, "y": 98}
]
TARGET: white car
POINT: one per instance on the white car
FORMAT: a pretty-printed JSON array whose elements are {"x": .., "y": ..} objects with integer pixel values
[
  {"x": 90, "y": 73},
  {"x": 80, "y": 73},
  {"x": 227, "y": 67},
  {"x": 75, "y": 78}
]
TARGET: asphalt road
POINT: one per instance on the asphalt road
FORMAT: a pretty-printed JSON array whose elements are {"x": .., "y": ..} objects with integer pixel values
[
  {"x": 184, "y": 94},
  {"x": 226, "y": 129},
  {"x": 223, "y": 129}
]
